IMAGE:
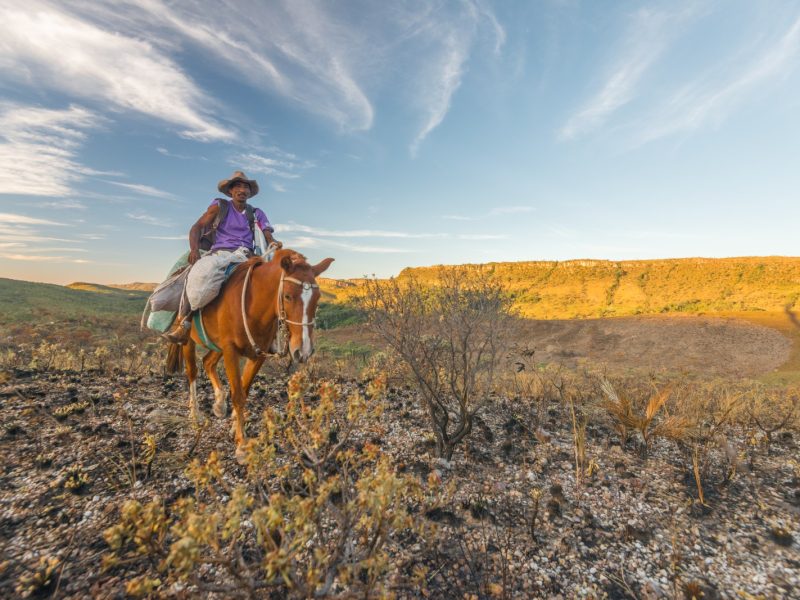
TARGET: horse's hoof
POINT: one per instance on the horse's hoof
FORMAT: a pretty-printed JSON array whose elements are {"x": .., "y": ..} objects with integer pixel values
[
  {"x": 220, "y": 409},
  {"x": 241, "y": 455}
]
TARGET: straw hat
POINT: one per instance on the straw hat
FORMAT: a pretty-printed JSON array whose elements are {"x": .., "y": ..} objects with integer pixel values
[{"x": 224, "y": 186}]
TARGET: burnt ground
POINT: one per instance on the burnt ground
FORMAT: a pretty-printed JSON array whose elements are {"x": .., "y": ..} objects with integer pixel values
[{"x": 632, "y": 529}]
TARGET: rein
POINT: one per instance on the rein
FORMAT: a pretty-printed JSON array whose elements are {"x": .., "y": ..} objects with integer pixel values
[{"x": 283, "y": 329}]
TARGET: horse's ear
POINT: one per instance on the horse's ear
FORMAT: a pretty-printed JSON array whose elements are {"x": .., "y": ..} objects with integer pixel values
[
  {"x": 287, "y": 264},
  {"x": 321, "y": 266}
]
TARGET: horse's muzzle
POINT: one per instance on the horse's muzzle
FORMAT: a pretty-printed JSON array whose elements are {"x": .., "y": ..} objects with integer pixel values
[{"x": 299, "y": 357}]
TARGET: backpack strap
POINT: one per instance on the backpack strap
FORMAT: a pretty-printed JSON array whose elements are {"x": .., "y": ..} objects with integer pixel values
[
  {"x": 251, "y": 218},
  {"x": 221, "y": 213}
]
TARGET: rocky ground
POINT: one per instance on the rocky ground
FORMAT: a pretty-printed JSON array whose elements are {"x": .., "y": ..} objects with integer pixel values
[{"x": 72, "y": 452}]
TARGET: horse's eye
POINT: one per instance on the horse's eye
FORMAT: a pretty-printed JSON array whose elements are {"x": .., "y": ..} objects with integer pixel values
[{"x": 287, "y": 297}]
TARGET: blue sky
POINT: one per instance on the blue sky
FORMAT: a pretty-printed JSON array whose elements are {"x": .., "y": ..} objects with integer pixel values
[{"x": 398, "y": 134}]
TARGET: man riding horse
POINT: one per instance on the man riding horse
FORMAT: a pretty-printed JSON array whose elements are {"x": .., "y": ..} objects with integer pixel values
[{"x": 231, "y": 225}]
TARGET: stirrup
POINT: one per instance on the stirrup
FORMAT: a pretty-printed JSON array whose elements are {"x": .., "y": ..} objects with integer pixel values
[{"x": 179, "y": 334}]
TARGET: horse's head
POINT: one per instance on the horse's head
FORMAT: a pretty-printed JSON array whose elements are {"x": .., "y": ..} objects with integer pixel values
[{"x": 299, "y": 295}]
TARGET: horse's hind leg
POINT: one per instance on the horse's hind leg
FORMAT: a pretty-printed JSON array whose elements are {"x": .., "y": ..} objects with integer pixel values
[
  {"x": 191, "y": 373},
  {"x": 210, "y": 362}
]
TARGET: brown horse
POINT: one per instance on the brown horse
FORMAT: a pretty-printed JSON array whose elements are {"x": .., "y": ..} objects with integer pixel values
[{"x": 257, "y": 301}]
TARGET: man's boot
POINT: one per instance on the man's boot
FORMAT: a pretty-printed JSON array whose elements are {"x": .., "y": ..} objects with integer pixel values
[{"x": 179, "y": 334}]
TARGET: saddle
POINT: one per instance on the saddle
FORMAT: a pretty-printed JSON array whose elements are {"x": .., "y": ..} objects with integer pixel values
[{"x": 165, "y": 301}]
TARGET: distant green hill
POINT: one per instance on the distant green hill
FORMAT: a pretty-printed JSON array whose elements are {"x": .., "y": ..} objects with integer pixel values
[{"x": 71, "y": 315}]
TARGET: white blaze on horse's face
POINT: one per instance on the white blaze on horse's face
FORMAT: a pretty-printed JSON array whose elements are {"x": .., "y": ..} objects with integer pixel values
[
  {"x": 308, "y": 346},
  {"x": 302, "y": 299},
  {"x": 301, "y": 342}
]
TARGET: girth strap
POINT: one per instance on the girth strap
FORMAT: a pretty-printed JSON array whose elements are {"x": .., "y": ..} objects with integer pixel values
[{"x": 201, "y": 332}]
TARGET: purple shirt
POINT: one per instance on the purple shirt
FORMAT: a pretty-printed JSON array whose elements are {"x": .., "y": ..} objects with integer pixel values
[{"x": 234, "y": 231}]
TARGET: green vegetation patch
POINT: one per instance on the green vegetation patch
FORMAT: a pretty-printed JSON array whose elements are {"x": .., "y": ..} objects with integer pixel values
[
  {"x": 330, "y": 316},
  {"x": 348, "y": 349}
]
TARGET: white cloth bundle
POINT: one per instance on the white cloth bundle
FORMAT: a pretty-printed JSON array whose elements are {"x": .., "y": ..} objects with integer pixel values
[{"x": 208, "y": 274}]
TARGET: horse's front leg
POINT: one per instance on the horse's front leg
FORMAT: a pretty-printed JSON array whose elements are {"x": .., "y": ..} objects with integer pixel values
[
  {"x": 210, "y": 361},
  {"x": 191, "y": 374},
  {"x": 251, "y": 369},
  {"x": 231, "y": 358}
]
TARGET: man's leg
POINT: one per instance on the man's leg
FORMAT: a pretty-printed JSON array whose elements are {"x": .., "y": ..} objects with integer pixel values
[
  {"x": 182, "y": 326},
  {"x": 179, "y": 334}
]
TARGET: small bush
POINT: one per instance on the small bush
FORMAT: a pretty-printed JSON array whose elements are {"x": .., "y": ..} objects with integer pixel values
[
  {"x": 320, "y": 513},
  {"x": 451, "y": 336}
]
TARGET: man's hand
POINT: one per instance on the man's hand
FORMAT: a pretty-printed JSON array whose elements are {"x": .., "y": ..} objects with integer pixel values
[
  {"x": 271, "y": 240},
  {"x": 194, "y": 256}
]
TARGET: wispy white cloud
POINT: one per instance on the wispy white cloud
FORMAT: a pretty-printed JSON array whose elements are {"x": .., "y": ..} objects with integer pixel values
[
  {"x": 63, "y": 205},
  {"x": 29, "y": 235},
  {"x": 325, "y": 58},
  {"x": 353, "y": 233},
  {"x": 71, "y": 54},
  {"x": 166, "y": 237},
  {"x": 481, "y": 236},
  {"x": 711, "y": 99},
  {"x": 44, "y": 142},
  {"x": 166, "y": 152},
  {"x": 316, "y": 237},
  {"x": 55, "y": 249},
  {"x": 25, "y": 220},
  {"x": 145, "y": 190},
  {"x": 449, "y": 39},
  {"x": 563, "y": 232},
  {"x": 494, "y": 212},
  {"x": 149, "y": 219},
  {"x": 39, "y": 258},
  {"x": 650, "y": 234},
  {"x": 302, "y": 50},
  {"x": 22, "y": 240},
  {"x": 649, "y": 34},
  {"x": 449, "y": 67},
  {"x": 277, "y": 163},
  {"x": 312, "y": 242}
]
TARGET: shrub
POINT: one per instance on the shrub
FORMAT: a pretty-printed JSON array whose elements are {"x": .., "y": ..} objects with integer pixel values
[
  {"x": 450, "y": 335},
  {"x": 321, "y": 513}
]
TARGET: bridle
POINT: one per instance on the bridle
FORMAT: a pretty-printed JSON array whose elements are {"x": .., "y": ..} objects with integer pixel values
[{"x": 283, "y": 321}]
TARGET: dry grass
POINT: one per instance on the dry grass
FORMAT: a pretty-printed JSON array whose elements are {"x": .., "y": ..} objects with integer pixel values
[{"x": 628, "y": 416}]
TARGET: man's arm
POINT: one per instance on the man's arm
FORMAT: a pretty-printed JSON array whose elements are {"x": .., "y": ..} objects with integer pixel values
[
  {"x": 262, "y": 222},
  {"x": 197, "y": 229},
  {"x": 268, "y": 236}
]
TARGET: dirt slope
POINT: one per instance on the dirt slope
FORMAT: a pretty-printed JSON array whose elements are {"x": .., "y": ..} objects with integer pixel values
[{"x": 703, "y": 345}]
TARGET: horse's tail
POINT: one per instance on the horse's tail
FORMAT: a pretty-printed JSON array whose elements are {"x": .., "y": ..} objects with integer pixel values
[{"x": 174, "y": 358}]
